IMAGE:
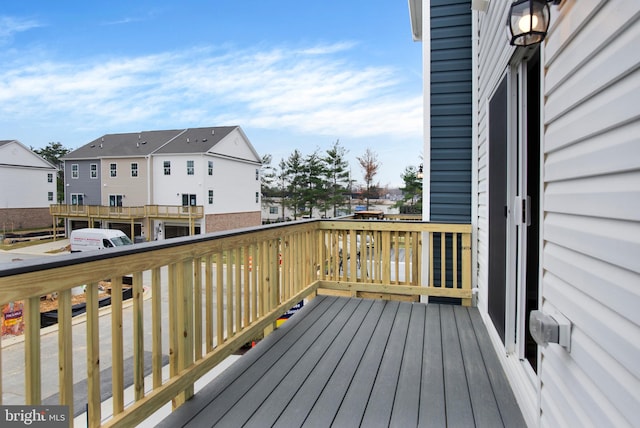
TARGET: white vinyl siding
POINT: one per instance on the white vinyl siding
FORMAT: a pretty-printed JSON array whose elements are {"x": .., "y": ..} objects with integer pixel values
[{"x": 591, "y": 263}]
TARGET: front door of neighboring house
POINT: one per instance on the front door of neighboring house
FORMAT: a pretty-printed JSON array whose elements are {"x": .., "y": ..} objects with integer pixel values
[{"x": 514, "y": 206}]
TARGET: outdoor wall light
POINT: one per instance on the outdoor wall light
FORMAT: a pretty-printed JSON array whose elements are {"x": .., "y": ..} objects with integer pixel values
[{"x": 528, "y": 21}]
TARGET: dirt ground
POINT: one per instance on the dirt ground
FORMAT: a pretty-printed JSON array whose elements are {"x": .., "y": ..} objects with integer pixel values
[{"x": 49, "y": 304}]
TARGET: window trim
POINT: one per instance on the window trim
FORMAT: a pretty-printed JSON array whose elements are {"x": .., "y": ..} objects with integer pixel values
[
  {"x": 166, "y": 165},
  {"x": 113, "y": 170},
  {"x": 75, "y": 171},
  {"x": 134, "y": 169},
  {"x": 191, "y": 170},
  {"x": 93, "y": 171}
]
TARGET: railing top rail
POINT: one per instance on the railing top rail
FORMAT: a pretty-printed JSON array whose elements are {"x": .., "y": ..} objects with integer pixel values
[
  {"x": 403, "y": 225},
  {"x": 46, "y": 263}
]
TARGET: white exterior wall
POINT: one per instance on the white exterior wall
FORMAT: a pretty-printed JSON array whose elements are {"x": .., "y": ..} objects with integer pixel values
[
  {"x": 234, "y": 187},
  {"x": 23, "y": 178},
  {"x": 233, "y": 183},
  {"x": 590, "y": 208},
  {"x": 168, "y": 189},
  {"x": 591, "y": 256},
  {"x": 26, "y": 187}
]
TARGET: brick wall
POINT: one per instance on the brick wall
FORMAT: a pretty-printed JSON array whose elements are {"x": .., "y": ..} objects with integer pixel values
[
  {"x": 24, "y": 218},
  {"x": 219, "y": 222}
]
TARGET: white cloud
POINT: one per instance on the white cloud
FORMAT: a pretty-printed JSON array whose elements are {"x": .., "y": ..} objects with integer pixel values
[
  {"x": 10, "y": 26},
  {"x": 314, "y": 90}
]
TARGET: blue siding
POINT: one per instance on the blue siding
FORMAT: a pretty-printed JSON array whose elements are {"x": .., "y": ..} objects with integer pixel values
[{"x": 450, "y": 156}]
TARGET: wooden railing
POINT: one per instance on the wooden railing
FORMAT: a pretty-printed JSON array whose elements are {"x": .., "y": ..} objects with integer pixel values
[
  {"x": 209, "y": 295},
  {"x": 103, "y": 211}
]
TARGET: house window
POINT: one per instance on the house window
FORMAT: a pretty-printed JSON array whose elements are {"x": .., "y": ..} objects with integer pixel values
[
  {"x": 257, "y": 174},
  {"x": 134, "y": 169},
  {"x": 167, "y": 167},
  {"x": 50, "y": 196},
  {"x": 273, "y": 210},
  {"x": 210, "y": 196},
  {"x": 93, "y": 170},
  {"x": 210, "y": 168},
  {"x": 190, "y": 168},
  {"x": 74, "y": 171},
  {"x": 188, "y": 200},
  {"x": 113, "y": 170},
  {"x": 77, "y": 199},
  {"x": 257, "y": 197},
  {"x": 49, "y": 178}
]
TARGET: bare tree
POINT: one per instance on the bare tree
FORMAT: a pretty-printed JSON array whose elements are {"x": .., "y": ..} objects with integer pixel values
[{"x": 370, "y": 165}]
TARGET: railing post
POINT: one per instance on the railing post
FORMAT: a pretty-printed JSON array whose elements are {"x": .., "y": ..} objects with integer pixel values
[{"x": 466, "y": 266}]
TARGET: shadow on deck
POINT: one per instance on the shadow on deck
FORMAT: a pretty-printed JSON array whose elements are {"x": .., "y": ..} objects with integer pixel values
[{"x": 349, "y": 362}]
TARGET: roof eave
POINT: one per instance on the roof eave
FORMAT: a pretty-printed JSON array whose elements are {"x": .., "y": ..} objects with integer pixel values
[{"x": 415, "y": 15}]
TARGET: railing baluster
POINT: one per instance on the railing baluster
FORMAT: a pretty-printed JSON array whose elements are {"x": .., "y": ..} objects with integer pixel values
[
  {"x": 173, "y": 333},
  {"x": 219, "y": 299},
  {"x": 65, "y": 350},
  {"x": 246, "y": 307},
  {"x": 138, "y": 336},
  {"x": 254, "y": 282},
  {"x": 197, "y": 307},
  {"x": 229, "y": 288},
  {"x": 156, "y": 327},
  {"x": 454, "y": 259},
  {"x": 238, "y": 289},
  {"x": 431, "y": 261},
  {"x": 208, "y": 297},
  {"x": 32, "y": 351},
  {"x": 117, "y": 354},
  {"x": 93, "y": 356}
]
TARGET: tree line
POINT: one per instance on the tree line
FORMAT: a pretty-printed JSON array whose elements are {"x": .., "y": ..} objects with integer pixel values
[{"x": 317, "y": 183}]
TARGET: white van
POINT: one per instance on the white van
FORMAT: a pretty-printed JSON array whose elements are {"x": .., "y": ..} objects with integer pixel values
[{"x": 96, "y": 239}]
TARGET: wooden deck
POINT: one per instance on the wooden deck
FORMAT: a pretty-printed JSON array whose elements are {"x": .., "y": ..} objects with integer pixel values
[{"x": 347, "y": 362}]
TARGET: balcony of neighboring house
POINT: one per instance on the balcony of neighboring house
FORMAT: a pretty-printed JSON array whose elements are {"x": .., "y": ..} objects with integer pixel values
[
  {"x": 123, "y": 214},
  {"x": 362, "y": 351},
  {"x": 127, "y": 213}
]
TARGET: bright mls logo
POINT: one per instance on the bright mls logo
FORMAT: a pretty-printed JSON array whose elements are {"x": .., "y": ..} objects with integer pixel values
[{"x": 34, "y": 416}]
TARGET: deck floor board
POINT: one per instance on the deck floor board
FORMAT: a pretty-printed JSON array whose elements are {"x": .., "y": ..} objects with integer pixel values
[{"x": 347, "y": 362}]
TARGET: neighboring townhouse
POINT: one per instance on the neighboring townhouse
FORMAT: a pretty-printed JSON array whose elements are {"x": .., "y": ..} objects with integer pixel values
[
  {"x": 27, "y": 188},
  {"x": 163, "y": 184},
  {"x": 539, "y": 148}
]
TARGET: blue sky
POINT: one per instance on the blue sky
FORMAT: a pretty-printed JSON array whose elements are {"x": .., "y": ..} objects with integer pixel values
[{"x": 292, "y": 74}]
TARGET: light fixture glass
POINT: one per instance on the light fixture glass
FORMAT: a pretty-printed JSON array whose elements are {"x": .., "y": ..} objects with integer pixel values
[{"x": 528, "y": 22}]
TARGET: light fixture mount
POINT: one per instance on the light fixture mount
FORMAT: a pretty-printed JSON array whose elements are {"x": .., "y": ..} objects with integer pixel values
[{"x": 528, "y": 21}]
